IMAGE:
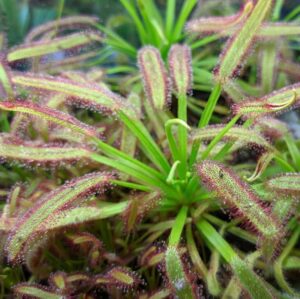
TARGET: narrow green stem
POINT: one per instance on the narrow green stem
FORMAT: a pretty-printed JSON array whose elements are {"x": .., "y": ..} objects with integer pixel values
[
  {"x": 131, "y": 185},
  {"x": 205, "y": 118},
  {"x": 171, "y": 175},
  {"x": 172, "y": 143},
  {"x": 284, "y": 164},
  {"x": 279, "y": 262},
  {"x": 182, "y": 135},
  {"x": 149, "y": 146},
  {"x": 178, "y": 226},
  {"x": 170, "y": 13},
  {"x": 227, "y": 146},
  {"x": 219, "y": 136}
]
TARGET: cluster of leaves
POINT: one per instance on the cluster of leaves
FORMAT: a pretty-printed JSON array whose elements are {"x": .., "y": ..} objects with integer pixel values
[{"x": 162, "y": 194}]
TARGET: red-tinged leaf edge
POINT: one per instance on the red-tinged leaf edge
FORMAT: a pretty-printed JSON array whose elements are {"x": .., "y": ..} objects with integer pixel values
[
  {"x": 32, "y": 221},
  {"x": 241, "y": 199}
]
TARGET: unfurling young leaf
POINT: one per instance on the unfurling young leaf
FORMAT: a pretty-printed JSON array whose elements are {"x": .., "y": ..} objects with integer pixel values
[
  {"x": 238, "y": 46},
  {"x": 44, "y": 210},
  {"x": 51, "y": 115},
  {"x": 155, "y": 78},
  {"x": 262, "y": 163},
  {"x": 181, "y": 285},
  {"x": 219, "y": 24},
  {"x": 29, "y": 152},
  {"x": 275, "y": 102},
  {"x": 180, "y": 59},
  {"x": 238, "y": 195}
]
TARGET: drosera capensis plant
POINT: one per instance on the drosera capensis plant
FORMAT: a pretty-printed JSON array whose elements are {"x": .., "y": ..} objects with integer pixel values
[{"x": 137, "y": 192}]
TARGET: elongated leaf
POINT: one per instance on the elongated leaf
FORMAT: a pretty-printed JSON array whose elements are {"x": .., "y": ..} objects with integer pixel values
[
  {"x": 80, "y": 215},
  {"x": 58, "y": 44},
  {"x": 236, "y": 133},
  {"x": 85, "y": 95},
  {"x": 50, "y": 204},
  {"x": 180, "y": 283},
  {"x": 120, "y": 277},
  {"x": 275, "y": 102},
  {"x": 165, "y": 293},
  {"x": 29, "y": 152},
  {"x": 74, "y": 22},
  {"x": 288, "y": 183},
  {"x": 251, "y": 282},
  {"x": 272, "y": 128},
  {"x": 238, "y": 46},
  {"x": 49, "y": 114},
  {"x": 156, "y": 81},
  {"x": 219, "y": 24},
  {"x": 275, "y": 30},
  {"x": 267, "y": 30},
  {"x": 239, "y": 196},
  {"x": 180, "y": 59},
  {"x": 35, "y": 291},
  {"x": 5, "y": 80},
  {"x": 137, "y": 208}
]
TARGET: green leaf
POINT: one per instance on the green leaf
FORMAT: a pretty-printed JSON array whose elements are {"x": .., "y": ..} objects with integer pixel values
[
  {"x": 155, "y": 77},
  {"x": 248, "y": 279},
  {"x": 35, "y": 291},
  {"x": 235, "y": 193},
  {"x": 36, "y": 49},
  {"x": 13, "y": 149},
  {"x": 181, "y": 286},
  {"x": 34, "y": 219},
  {"x": 238, "y": 46}
]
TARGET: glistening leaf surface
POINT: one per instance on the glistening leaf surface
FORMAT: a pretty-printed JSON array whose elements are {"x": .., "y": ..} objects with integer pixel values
[
  {"x": 240, "y": 43},
  {"x": 216, "y": 24},
  {"x": 86, "y": 95},
  {"x": 50, "y": 204},
  {"x": 288, "y": 183},
  {"x": 58, "y": 44},
  {"x": 62, "y": 24},
  {"x": 28, "y": 152},
  {"x": 180, "y": 59},
  {"x": 274, "y": 102},
  {"x": 236, "y": 133},
  {"x": 238, "y": 195},
  {"x": 154, "y": 74},
  {"x": 82, "y": 214},
  {"x": 180, "y": 284},
  {"x": 5, "y": 79},
  {"x": 35, "y": 291},
  {"x": 49, "y": 114}
]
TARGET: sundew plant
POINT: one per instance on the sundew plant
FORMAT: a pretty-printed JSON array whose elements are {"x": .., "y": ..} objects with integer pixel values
[{"x": 159, "y": 169}]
